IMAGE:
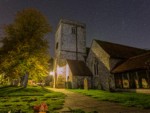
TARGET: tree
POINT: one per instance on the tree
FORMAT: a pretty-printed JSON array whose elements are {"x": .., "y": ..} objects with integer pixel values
[
  {"x": 25, "y": 50},
  {"x": 49, "y": 78}
]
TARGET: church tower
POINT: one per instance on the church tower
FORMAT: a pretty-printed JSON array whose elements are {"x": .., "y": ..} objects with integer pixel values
[{"x": 70, "y": 44}]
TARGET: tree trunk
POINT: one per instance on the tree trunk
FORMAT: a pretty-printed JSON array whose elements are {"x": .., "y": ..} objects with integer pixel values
[
  {"x": 21, "y": 81},
  {"x": 25, "y": 81}
]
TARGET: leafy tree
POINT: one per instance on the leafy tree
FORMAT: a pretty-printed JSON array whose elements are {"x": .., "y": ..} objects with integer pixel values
[
  {"x": 49, "y": 78},
  {"x": 25, "y": 50}
]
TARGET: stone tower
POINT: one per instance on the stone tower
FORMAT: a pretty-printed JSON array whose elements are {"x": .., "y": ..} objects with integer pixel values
[{"x": 70, "y": 43}]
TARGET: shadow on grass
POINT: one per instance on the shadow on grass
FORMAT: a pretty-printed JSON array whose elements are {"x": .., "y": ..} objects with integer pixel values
[
  {"x": 20, "y": 91},
  {"x": 4, "y": 91}
]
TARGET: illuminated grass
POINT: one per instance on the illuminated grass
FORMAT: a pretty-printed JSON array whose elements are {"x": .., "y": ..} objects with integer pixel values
[
  {"x": 16, "y": 98},
  {"x": 124, "y": 98}
]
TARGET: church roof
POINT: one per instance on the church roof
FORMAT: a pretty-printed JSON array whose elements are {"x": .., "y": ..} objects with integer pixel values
[
  {"x": 79, "y": 68},
  {"x": 120, "y": 51},
  {"x": 134, "y": 63}
]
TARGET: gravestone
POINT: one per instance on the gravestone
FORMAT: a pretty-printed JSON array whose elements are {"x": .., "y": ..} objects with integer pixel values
[{"x": 85, "y": 84}]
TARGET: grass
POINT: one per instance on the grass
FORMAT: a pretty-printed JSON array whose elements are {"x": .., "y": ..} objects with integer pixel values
[
  {"x": 24, "y": 99},
  {"x": 124, "y": 98}
]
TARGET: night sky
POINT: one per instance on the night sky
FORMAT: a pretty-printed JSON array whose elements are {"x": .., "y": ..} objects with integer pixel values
[{"x": 120, "y": 21}]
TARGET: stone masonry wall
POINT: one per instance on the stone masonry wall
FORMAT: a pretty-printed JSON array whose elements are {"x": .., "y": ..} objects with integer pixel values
[
  {"x": 78, "y": 81},
  {"x": 100, "y": 81},
  {"x": 58, "y": 41},
  {"x": 71, "y": 56},
  {"x": 69, "y": 44},
  {"x": 113, "y": 63},
  {"x": 104, "y": 79},
  {"x": 60, "y": 73},
  {"x": 72, "y": 45}
]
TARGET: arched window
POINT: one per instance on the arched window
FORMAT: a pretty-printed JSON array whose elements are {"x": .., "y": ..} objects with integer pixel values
[
  {"x": 96, "y": 66},
  {"x": 57, "y": 45}
]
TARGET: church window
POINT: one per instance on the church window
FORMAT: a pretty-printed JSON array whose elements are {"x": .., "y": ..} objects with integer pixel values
[
  {"x": 73, "y": 30},
  {"x": 96, "y": 67}
]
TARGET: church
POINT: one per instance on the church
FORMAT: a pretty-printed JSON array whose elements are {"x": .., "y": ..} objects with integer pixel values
[{"x": 105, "y": 65}]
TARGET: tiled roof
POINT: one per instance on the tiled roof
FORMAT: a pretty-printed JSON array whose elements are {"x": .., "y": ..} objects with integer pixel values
[
  {"x": 120, "y": 51},
  {"x": 79, "y": 68},
  {"x": 134, "y": 63}
]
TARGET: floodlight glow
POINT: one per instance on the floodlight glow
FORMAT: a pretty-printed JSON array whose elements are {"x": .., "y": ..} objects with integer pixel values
[{"x": 51, "y": 73}]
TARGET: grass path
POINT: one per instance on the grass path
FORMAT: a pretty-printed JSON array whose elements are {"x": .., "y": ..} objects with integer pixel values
[{"x": 79, "y": 101}]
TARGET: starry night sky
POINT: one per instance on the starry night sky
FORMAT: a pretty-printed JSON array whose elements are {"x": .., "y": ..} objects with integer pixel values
[{"x": 120, "y": 21}]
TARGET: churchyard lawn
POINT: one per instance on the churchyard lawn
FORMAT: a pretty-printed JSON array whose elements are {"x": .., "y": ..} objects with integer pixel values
[
  {"x": 124, "y": 98},
  {"x": 25, "y": 99}
]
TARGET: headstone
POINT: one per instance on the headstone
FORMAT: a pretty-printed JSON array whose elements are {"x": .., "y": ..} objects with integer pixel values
[{"x": 85, "y": 84}]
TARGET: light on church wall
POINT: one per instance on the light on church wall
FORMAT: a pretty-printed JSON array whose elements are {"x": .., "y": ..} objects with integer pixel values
[
  {"x": 67, "y": 72},
  {"x": 61, "y": 70},
  {"x": 51, "y": 73}
]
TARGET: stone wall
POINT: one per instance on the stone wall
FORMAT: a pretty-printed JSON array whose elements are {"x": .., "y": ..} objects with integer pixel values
[
  {"x": 104, "y": 79},
  {"x": 70, "y": 43},
  {"x": 113, "y": 62},
  {"x": 60, "y": 73},
  {"x": 58, "y": 35},
  {"x": 71, "y": 39},
  {"x": 64, "y": 77},
  {"x": 78, "y": 81},
  {"x": 72, "y": 55},
  {"x": 100, "y": 81}
]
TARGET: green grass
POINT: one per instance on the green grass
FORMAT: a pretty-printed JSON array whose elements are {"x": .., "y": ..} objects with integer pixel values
[
  {"x": 16, "y": 98},
  {"x": 124, "y": 98}
]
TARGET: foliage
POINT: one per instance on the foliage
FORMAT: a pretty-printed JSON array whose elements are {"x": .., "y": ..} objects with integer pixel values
[
  {"x": 48, "y": 80},
  {"x": 25, "y": 49},
  {"x": 24, "y": 99},
  {"x": 128, "y": 99},
  {"x": 51, "y": 63}
]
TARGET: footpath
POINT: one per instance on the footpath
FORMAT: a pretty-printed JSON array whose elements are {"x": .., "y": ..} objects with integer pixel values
[{"x": 88, "y": 104}]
